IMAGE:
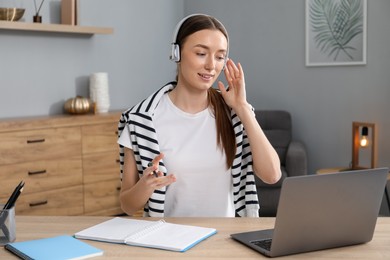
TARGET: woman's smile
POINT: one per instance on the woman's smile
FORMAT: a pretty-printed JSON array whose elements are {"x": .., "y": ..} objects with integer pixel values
[{"x": 205, "y": 76}]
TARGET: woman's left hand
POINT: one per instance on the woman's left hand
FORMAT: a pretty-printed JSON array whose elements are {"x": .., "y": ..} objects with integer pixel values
[{"x": 235, "y": 95}]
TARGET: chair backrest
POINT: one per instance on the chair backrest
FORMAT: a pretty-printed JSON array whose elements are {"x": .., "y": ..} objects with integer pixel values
[{"x": 277, "y": 126}]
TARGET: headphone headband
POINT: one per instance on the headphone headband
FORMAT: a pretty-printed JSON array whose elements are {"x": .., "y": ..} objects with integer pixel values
[{"x": 175, "y": 52}]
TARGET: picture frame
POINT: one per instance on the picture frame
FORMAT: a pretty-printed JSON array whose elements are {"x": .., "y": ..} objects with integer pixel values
[{"x": 336, "y": 32}]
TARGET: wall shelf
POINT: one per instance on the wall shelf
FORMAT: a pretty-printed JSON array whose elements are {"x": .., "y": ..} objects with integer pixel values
[{"x": 57, "y": 28}]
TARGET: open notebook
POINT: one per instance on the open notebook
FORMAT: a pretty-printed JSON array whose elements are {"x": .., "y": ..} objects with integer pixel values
[{"x": 145, "y": 233}]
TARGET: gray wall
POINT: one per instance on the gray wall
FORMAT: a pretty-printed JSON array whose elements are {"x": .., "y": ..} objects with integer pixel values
[
  {"x": 39, "y": 71},
  {"x": 268, "y": 38}
]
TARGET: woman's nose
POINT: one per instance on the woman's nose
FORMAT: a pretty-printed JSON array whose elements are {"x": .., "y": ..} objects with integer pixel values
[{"x": 210, "y": 63}]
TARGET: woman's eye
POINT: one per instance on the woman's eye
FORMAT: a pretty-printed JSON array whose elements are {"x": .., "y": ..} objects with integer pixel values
[{"x": 200, "y": 54}]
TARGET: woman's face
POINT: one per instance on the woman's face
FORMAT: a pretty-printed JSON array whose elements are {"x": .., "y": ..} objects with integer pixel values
[{"x": 202, "y": 59}]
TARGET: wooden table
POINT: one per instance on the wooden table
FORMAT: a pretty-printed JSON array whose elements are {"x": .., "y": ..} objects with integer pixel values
[{"x": 219, "y": 246}]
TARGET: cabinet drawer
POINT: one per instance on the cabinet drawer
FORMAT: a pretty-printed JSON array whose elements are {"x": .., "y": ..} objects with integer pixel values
[
  {"x": 99, "y": 138},
  {"x": 41, "y": 175},
  {"x": 27, "y": 146},
  {"x": 101, "y": 166},
  {"x": 66, "y": 201},
  {"x": 101, "y": 195}
]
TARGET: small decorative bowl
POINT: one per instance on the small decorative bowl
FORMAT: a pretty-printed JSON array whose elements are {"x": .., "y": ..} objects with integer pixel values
[{"x": 11, "y": 14}]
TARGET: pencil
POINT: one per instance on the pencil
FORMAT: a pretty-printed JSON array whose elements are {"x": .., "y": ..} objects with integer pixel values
[{"x": 150, "y": 164}]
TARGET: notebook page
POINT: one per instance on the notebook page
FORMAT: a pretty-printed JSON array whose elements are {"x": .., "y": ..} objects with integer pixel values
[
  {"x": 173, "y": 237},
  {"x": 114, "y": 230}
]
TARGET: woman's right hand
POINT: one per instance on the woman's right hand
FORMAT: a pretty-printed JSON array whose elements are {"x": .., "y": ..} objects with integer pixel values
[
  {"x": 136, "y": 191},
  {"x": 149, "y": 178}
]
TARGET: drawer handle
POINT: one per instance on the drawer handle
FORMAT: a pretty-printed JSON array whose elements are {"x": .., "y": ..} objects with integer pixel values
[
  {"x": 116, "y": 132},
  {"x": 118, "y": 161},
  {"x": 118, "y": 188},
  {"x": 39, "y": 203},
  {"x": 36, "y": 141},
  {"x": 36, "y": 172}
]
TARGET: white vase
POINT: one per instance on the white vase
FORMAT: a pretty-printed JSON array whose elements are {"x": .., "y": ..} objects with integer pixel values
[{"x": 99, "y": 91}]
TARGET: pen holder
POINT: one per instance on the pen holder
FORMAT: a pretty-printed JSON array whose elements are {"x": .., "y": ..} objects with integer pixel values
[{"x": 7, "y": 225}]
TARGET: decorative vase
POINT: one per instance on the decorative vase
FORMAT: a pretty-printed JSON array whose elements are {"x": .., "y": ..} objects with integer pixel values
[
  {"x": 99, "y": 91},
  {"x": 37, "y": 19}
]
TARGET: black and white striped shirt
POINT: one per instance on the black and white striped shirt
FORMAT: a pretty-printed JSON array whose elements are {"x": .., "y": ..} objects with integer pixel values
[{"x": 145, "y": 147}]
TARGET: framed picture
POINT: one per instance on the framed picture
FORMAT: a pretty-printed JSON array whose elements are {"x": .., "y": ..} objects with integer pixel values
[{"x": 336, "y": 32}]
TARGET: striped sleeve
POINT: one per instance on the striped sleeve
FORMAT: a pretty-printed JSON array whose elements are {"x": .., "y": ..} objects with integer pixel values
[
  {"x": 244, "y": 187},
  {"x": 144, "y": 144}
]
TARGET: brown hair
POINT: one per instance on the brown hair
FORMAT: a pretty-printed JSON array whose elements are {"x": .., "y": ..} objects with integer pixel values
[{"x": 225, "y": 132}]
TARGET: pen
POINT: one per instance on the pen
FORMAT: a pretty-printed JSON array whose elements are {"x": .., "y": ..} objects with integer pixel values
[
  {"x": 150, "y": 164},
  {"x": 10, "y": 203},
  {"x": 14, "y": 196}
]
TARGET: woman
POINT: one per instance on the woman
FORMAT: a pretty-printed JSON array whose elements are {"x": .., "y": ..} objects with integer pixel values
[{"x": 203, "y": 145}]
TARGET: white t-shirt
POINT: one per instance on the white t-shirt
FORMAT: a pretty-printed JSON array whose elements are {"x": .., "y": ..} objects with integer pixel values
[{"x": 189, "y": 143}]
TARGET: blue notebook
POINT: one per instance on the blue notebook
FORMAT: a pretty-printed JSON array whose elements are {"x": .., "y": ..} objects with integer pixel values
[{"x": 53, "y": 248}]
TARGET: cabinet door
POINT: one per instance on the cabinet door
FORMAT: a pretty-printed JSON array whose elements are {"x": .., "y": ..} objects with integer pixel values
[
  {"x": 101, "y": 166},
  {"x": 99, "y": 138},
  {"x": 101, "y": 196},
  {"x": 62, "y": 202},
  {"x": 33, "y": 145}
]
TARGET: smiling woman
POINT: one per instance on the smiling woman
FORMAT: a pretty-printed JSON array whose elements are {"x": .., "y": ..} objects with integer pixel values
[
  {"x": 207, "y": 59},
  {"x": 197, "y": 138}
]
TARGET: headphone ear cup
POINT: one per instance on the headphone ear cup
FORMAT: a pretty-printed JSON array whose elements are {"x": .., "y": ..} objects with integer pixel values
[{"x": 175, "y": 53}]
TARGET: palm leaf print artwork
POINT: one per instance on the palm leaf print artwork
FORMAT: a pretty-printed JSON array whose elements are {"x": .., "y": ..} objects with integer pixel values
[{"x": 334, "y": 25}]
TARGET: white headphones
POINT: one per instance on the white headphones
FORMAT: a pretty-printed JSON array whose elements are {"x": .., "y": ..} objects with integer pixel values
[{"x": 175, "y": 51}]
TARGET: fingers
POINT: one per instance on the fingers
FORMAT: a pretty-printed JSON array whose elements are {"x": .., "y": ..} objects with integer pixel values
[
  {"x": 227, "y": 71},
  {"x": 221, "y": 87},
  {"x": 157, "y": 159},
  {"x": 233, "y": 73},
  {"x": 158, "y": 183},
  {"x": 155, "y": 178},
  {"x": 155, "y": 173},
  {"x": 240, "y": 70},
  {"x": 153, "y": 165}
]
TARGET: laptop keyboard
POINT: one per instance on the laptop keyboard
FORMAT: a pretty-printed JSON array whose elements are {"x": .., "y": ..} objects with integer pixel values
[{"x": 265, "y": 243}]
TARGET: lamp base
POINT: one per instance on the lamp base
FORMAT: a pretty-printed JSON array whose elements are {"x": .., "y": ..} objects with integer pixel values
[{"x": 356, "y": 145}]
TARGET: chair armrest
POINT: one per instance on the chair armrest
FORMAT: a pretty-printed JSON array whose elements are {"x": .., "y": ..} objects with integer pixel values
[{"x": 296, "y": 159}]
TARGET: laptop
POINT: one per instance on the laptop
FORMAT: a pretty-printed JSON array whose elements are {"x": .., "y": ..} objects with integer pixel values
[{"x": 325, "y": 211}]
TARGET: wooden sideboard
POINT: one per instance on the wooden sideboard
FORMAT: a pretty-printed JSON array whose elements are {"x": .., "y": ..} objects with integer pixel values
[{"x": 70, "y": 164}]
